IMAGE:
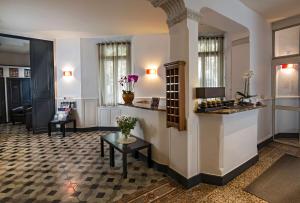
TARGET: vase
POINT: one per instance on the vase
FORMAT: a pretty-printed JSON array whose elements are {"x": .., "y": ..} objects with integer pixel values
[
  {"x": 128, "y": 97},
  {"x": 126, "y": 135},
  {"x": 126, "y": 139}
]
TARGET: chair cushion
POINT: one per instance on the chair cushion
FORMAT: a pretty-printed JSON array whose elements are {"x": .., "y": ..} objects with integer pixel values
[{"x": 19, "y": 109}]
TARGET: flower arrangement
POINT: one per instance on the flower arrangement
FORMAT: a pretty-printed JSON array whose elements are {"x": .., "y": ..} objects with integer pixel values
[
  {"x": 126, "y": 124},
  {"x": 128, "y": 82},
  {"x": 247, "y": 76},
  {"x": 246, "y": 94}
]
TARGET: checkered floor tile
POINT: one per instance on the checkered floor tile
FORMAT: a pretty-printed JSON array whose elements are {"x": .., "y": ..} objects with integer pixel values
[{"x": 42, "y": 169}]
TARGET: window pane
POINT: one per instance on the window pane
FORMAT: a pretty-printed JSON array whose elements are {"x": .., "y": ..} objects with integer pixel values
[
  {"x": 200, "y": 71},
  {"x": 207, "y": 45},
  {"x": 114, "y": 62},
  {"x": 108, "y": 81},
  {"x": 122, "y": 71},
  {"x": 122, "y": 49},
  {"x": 210, "y": 62},
  {"x": 287, "y": 41},
  {"x": 288, "y": 85},
  {"x": 287, "y": 122},
  {"x": 109, "y": 50}
]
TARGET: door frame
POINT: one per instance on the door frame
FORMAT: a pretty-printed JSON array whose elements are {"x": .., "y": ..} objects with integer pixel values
[
  {"x": 31, "y": 39},
  {"x": 4, "y": 89}
]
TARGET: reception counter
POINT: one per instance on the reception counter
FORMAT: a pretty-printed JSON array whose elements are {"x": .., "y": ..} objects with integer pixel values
[{"x": 228, "y": 141}]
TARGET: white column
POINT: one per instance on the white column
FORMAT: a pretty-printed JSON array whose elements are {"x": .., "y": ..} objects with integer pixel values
[{"x": 184, "y": 146}]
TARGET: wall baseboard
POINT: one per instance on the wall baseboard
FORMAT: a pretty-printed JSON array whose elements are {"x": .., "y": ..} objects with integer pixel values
[
  {"x": 264, "y": 143},
  {"x": 286, "y": 135},
  {"x": 223, "y": 180},
  {"x": 109, "y": 129},
  {"x": 201, "y": 178},
  {"x": 195, "y": 180},
  {"x": 91, "y": 129}
]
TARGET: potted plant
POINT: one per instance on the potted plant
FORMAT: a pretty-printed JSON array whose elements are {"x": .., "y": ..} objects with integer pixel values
[
  {"x": 246, "y": 95},
  {"x": 128, "y": 83},
  {"x": 126, "y": 124}
]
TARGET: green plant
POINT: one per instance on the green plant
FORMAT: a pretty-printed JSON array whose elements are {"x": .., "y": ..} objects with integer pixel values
[{"x": 126, "y": 123}]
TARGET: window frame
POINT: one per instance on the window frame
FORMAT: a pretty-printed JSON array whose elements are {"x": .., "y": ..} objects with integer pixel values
[
  {"x": 113, "y": 58},
  {"x": 273, "y": 41}
]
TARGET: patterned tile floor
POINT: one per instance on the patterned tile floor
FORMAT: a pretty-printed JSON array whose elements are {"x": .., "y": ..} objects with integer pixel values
[
  {"x": 233, "y": 192},
  {"x": 38, "y": 168}
]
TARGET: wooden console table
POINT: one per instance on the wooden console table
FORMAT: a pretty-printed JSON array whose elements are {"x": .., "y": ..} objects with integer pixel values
[{"x": 112, "y": 140}]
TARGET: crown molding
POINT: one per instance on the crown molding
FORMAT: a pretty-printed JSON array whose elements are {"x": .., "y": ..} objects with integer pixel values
[{"x": 176, "y": 11}]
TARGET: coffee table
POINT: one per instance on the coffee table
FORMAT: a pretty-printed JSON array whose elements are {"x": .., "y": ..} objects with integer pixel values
[{"x": 112, "y": 140}]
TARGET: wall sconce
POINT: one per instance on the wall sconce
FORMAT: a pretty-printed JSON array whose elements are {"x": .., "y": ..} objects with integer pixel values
[
  {"x": 68, "y": 73},
  {"x": 151, "y": 71}
]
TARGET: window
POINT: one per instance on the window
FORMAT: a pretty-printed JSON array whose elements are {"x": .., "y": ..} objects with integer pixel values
[
  {"x": 115, "y": 62},
  {"x": 211, "y": 61},
  {"x": 287, "y": 41}
]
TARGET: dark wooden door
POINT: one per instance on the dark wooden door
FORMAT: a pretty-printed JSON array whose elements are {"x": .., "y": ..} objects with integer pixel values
[
  {"x": 42, "y": 83},
  {"x": 13, "y": 92},
  {"x": 2, "y": 101},
  {"x": 26, "y": 98}
]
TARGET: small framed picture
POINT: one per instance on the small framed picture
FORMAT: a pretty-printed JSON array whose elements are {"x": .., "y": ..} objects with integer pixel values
[
  {"x": 27, "y": 73},
  {"x": 13, "y": 72},
  {"x": 154, "y": 102}
]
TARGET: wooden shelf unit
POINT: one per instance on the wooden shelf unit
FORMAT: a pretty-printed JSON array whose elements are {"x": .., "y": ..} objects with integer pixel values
[{"x": 175, "y": 95}]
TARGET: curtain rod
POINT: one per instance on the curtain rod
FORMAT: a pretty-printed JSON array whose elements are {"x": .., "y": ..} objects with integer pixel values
[
  {"x": 114, "y": 42},
  {"x": 211, "y": 36}
]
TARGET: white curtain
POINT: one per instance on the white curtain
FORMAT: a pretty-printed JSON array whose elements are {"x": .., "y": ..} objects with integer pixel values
[
  {"x": 115, "y": 62},
  {"x": 211, "y": 61}
]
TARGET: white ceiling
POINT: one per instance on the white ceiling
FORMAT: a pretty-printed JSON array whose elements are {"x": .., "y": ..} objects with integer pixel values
[
  {"x": 72, "y": 18},
  {"x": 11, "y": 45},
  {"x": 90, "y": 18},
  {"x": 274, "y": 10}
]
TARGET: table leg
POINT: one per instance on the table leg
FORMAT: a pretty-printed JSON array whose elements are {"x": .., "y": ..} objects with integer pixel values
[
  {"x": 149, "y": 156},
  {"x": 63, "y": 126},
  {"x": 49, "y": 129},
  {"x": 102, "y": 147},
  {"x": 74, "y": 126},
  {"x": 112, "y": 156},
  {"x": 136, "y": 154},
  {"x": 124, "y": 165}
]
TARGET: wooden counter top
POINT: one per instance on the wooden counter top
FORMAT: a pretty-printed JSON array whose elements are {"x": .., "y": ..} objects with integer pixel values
[{"x": 146, "y": 106}]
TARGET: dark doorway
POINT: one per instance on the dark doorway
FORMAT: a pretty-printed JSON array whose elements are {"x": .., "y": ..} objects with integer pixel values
[
  {"x": 41, "y": 85},
  {"x": 18, "y": 93},
  {"x": 2, "y": 101},
  {"x": 26, "y": 96},
  {"x": 13, "y": 93}
]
